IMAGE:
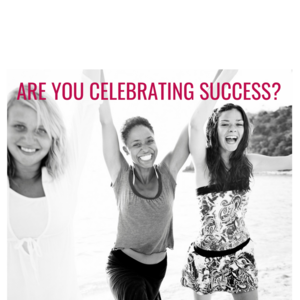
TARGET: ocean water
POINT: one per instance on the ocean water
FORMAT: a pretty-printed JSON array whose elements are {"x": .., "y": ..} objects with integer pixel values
[{"x": 269, "y": 221}]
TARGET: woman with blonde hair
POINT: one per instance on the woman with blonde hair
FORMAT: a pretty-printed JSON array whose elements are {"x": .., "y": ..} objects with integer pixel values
[{"x": 43, "y": 170}]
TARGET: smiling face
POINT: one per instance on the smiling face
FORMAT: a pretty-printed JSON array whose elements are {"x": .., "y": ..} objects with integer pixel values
[
  {"x": 26, "y": 143},
  {"x": 230, "y": 130},
  {"x": 141, "y": 146}
]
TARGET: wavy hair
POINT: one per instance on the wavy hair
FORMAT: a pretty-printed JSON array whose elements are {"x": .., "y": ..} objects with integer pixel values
[
  {"x": 48, "y": 115},
  {"x": 240, "y": 172}
]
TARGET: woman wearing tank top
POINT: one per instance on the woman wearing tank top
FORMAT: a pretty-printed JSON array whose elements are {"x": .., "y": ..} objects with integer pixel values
[
  {"x": 222, "y": 256},
  {"x": 144, "y": 194}
]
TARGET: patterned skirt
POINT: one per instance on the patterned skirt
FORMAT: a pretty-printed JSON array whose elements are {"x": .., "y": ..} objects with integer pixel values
[
  {"x": 206, "y": 273},
  {"x": 132, "y": 280}
]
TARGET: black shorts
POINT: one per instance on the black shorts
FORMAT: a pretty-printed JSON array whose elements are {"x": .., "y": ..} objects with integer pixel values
[{"x": 132, "y": 280}]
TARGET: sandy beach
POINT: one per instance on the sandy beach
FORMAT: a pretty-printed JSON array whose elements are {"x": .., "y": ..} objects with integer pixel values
[{"x": 268, "y": 220}]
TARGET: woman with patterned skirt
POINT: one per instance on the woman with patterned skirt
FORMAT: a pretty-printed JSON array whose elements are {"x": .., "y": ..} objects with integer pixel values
[{"x": 221, "y": 259}]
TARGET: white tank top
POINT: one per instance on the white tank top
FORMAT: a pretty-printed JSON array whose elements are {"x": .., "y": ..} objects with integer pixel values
[{"x": 28, "y": 216}]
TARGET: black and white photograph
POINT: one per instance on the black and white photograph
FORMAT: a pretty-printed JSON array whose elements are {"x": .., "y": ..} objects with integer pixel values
[{"x": 149, "y": 184}]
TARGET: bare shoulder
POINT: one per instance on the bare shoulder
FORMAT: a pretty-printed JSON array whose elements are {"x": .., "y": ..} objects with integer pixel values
[
  {"x": 167, "y": 162},
  {"x": 167, "y": 159},
  {"x": 202, "y": 174}
]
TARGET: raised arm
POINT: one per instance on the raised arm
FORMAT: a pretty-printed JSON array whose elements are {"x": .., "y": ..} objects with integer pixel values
[
  {"x": 178, "y": 156},
  {"x": 80, "y": 134},
  {"x": 175, "y": 159},
  {"x": 270, "y": 163},
  {"x": 197, "y": 138},
  {"x": 110, "y": 142}
]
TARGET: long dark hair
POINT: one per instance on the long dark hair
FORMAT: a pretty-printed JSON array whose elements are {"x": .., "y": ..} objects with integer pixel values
[{"x": 240, "y": 172}]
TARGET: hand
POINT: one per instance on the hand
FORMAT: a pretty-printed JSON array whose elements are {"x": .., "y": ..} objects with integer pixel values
[
  {"x": 102, "y": 79},
  {"x": 93, "y": 75},
  {"x": 217, "y": 75},
  {"x": 226, "y": 75}
]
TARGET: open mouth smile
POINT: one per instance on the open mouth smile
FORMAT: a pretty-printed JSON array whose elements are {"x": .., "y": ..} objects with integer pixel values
[
  {"x": 146, "y": 157},
  {"x": 28, "y": 150},
  {"x": 231, "y": 139}
]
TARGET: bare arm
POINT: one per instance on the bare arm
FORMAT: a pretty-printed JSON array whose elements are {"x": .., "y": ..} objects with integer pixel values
[
  {"x": 110, "y": 142},
  {"x": 81, "y": 132},
  {"x": 175, "y": 159},
  {"x": 270, "y": 163},
  {"x": 179, "y": 155},
  {"x": 197, "y": 141}
]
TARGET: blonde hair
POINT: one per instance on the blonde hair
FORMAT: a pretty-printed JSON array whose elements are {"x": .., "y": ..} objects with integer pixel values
[{"x": 48, "y": 115}]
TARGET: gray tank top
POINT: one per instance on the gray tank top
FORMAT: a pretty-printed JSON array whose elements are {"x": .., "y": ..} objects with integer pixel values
[{"x": 145, "y": 225}]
